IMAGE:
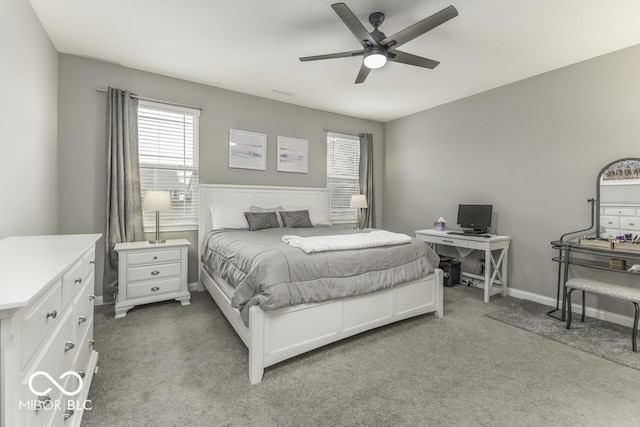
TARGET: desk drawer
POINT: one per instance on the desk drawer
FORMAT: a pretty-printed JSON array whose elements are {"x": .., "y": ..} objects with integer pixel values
[
  {"x": 153, "y": 272},
  {"x": 451, "y": 241},
  {"x": 620, "y": 211},
  {"x": 151, "y": 289},
  {"x": 137, "y": 258}
]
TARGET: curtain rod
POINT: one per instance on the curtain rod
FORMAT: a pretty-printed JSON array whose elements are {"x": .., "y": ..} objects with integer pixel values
[
  {"x": 157, "y": 100},
  {"x": 343, "y": 133}
]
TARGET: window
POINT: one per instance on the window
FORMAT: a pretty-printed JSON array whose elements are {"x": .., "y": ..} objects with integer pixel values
[
  {"x": 343, "y": 164},
  {"x": 168, "y": 152}
]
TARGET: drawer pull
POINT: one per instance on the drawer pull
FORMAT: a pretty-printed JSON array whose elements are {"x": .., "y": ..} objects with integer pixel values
[
  {"x": 155, "y": 288},
  {"x": 81, "y": 320},
  {"x": 82, "y": 373},
  {"x": 447, "y": 241},
  {"x": 69, "y": 345},
  {"x": 78, "y": 280},
  {"x": 155, "y": 273},
  {"x": 53, "y": 314},
  {"x": 91, "y": 343},
  {"x": 92, "y": 297},
  {"x": 155, "y": 257},
  {"x": 44, "y": 400},
  {"x": 631, "y": 223},
  {"x": 68, "y": 413},
  {"x": 92, "y": 262}
]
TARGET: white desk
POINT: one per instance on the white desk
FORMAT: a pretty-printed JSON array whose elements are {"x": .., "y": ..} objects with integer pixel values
[{"x": 495, "y": 270}]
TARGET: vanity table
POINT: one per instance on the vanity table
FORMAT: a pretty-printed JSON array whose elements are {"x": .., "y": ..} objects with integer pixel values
[{"x": 616, "y": 212}]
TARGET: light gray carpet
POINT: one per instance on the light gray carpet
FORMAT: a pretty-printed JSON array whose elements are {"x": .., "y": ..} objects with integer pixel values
[
  {"x": 167, "y": 365},
  {"x": 604, "y": 339}
]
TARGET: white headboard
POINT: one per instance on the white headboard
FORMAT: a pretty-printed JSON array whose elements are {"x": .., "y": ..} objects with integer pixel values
[{"x": 247, "y": 195}]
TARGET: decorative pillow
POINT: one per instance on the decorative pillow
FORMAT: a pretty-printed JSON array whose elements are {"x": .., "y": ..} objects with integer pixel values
[
  {"x": 227, "y": 217},
  {"x": 318, "y": 216},
  {"x": 276, "y": 209},
  {"x": 262, "y": 220},
  {"x": 296, "y": 219}
]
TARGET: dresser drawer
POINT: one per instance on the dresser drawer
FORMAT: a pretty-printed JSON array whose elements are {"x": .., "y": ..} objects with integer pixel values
[
  {"x": 85, "y": 347},
  {"x": 136, "y": 258},
  {"x": 631, "y": 223},
  {"x": 620, "y": 211},
  {"x": 38, "y": 320},
  {"x": 152, "y": 272},
  {"x": 88, "y": 262},
  {"x": 610, "y": 221},
  {"x": 157, "y": 287},
  {"x": 83, "y": 308},
  {"x": 55, "y": 361},
  {"x": 71, "y": 282}
]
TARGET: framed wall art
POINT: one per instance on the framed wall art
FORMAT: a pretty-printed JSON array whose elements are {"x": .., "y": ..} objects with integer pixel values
[
  {"x": 293, "y": 155},
  {"x": 247, "y": 150}
]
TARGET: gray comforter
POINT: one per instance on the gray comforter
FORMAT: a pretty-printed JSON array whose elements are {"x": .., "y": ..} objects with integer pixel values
[{"x": 271, "y": 274}]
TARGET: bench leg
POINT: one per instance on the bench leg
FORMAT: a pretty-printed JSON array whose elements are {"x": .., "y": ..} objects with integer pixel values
[
  {"x": 634, "y": 333},
  {"x": 569, "y": 308},
  {"x": 584, "y": 305}
]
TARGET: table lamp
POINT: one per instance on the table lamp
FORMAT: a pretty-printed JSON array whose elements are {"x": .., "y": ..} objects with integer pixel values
[
  {"x": 157, "y": 201},
  {"x": 359, "y": 202}
]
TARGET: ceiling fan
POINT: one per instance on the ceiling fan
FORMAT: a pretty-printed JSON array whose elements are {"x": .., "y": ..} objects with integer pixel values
[{"x": 377, "y": 47}]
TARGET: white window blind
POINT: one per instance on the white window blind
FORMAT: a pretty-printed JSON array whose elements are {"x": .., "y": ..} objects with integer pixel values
[
  {"x": 168, "y": 152},
  {"x": 343, "y": 164}
]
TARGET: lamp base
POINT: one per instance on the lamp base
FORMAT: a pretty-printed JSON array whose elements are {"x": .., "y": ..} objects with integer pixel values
[{"x": 155, "y": 242}]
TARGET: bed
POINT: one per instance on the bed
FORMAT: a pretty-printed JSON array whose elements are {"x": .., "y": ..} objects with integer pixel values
[{"x": 271, "y": 329}]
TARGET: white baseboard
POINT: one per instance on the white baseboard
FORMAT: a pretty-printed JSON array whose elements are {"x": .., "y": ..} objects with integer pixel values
[
  {"x": 192, "y": 287},
  {"x": 577, "y": 308}
]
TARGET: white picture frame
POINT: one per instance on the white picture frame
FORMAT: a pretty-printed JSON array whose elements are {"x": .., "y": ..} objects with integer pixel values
[
  {"x": 247, "y": 150},
  {"x": 293, "y": 155}
]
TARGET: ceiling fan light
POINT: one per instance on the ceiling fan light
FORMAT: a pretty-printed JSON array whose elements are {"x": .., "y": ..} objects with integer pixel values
[{"x": 375, "y": 58}]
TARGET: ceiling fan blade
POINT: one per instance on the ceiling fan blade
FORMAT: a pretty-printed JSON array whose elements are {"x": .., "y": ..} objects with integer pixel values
[
  {"x": 354, "y": 25},
  {"x": 407, "y": 58},
  {"x": 362, "y": 74},
  {"x": 333, "y": 55},
  {"x": 419, "y": 28}
]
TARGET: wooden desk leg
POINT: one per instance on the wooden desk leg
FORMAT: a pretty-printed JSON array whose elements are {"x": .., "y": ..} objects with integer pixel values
[
  {"x": 487, "y": 275},
  {"x": 503, "y": 277}
]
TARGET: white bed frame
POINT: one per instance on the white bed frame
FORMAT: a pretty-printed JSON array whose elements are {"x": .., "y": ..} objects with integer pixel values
[{"x": 277, "y": 335}]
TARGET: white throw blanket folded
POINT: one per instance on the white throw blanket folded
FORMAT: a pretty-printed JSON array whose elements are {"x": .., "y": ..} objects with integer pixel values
[{"x": 344, "y": 242}]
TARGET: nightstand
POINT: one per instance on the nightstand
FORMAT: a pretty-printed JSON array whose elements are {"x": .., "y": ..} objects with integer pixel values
[{"x": 151, "y": 272}]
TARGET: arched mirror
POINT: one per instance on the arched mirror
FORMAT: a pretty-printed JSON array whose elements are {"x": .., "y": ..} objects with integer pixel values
[{"x": 618, "y": 199}]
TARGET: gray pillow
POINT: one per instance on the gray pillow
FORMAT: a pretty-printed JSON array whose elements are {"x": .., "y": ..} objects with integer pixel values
[
  {"x": 296, "y": 219},
  {"x": 261, "y": 220},
  {"x": 275, "y": 209}
]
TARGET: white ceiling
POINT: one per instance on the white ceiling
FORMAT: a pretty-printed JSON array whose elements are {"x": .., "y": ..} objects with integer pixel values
[{"x": 252, "y": 46}]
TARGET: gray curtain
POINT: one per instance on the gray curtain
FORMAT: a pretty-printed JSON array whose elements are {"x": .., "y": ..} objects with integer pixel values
[
  {"x": 366, "y": 179},
  {"x": 124, "y": 206}
]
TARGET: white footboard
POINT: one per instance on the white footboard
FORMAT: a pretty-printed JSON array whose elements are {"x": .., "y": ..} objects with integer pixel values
[{"x": 274, "y": 336}]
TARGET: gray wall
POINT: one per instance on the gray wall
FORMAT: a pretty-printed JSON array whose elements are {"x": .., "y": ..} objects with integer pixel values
[
  {"x": 82, "y": 135},
  {"x": 28, "y": 151},
  {"x": 532, "y": 149}
]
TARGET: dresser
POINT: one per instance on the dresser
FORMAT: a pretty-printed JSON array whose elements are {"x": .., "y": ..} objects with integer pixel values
[
  {"x": 151, "y": 272},
  {"x": 619, "y": 219},
  {"x": 47, "y": 355}
]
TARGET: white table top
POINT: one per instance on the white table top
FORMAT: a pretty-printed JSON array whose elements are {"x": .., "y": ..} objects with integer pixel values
[
  {"x": 493, "y": 238},
  {"x": 127, "y": 246},
  {"x": 28, "y": 264}
]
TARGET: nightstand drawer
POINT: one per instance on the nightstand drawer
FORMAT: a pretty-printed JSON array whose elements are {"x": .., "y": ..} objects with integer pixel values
[
  {"x": 157, "y": 287},
  {"x": 153, "y": 257},
  {"x": 152, "y": 272}
]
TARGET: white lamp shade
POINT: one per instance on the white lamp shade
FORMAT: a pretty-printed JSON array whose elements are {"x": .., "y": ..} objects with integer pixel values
[
  {"x": 359, "y": 201},
  {"x": 157, "y": 201}
]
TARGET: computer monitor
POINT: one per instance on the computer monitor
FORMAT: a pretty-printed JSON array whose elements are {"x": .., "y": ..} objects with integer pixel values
[{"x": 475, "y": 218}]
